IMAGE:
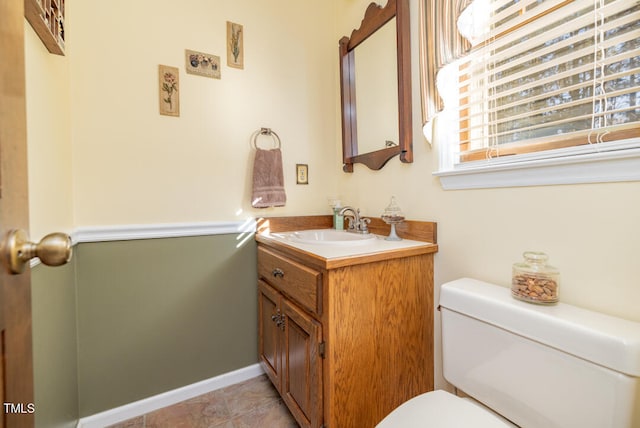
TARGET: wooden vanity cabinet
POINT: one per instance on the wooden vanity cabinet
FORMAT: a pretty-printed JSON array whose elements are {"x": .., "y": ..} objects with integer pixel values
[
  {"x": 289, "y": 352},
  {"x": 345, "y": 341},
  {"x": 289, "y": 335},
  {"x": 269, "y": 332}
]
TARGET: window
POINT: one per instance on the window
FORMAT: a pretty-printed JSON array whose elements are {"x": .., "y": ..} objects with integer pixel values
[{"x": 549, "y": 85}]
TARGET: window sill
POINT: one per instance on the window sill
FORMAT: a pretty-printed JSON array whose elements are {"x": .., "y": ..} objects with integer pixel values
[{"x": 598, "y": 167}]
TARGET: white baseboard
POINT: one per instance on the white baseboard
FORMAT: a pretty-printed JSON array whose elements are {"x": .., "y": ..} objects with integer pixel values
[{"x": 168, "y": 398}]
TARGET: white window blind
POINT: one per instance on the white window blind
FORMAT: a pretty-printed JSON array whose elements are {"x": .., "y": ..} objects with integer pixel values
[{"x": 545, "y": 75}]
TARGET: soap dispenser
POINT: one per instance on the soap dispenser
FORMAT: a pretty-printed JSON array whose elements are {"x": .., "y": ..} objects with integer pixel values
[{"x": 338, "y": 219}]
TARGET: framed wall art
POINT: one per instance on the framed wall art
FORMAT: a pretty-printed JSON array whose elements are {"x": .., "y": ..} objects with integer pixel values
[
  {"x": 235, "y": 45},
  {"x": 168, "y": 84},
  {"x": 202, "y": 64}
]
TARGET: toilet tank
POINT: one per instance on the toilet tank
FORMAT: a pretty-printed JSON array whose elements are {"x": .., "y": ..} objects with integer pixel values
[{"x": 540, "y": 366}]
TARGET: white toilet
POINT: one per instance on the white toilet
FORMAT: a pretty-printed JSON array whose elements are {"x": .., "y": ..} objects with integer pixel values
[{"x": 533, "y": 366}]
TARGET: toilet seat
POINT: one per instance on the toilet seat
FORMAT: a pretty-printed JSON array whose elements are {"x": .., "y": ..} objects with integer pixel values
[{"x": 441, "y": 409}]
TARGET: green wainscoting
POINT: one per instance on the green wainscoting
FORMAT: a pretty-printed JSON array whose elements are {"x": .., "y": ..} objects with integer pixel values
[
  {"x": 55, "y": 346},
  {"x": 137, "y": 318},
  {"x": 159, "y": 314}
]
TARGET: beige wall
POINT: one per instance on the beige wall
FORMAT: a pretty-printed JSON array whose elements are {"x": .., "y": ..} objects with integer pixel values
[
  {"x": 134, "y": 166},
  {"x": 130, "y": 165},
  {"x": 101, "y": 155},
  {"x": 49, "y": 139},
  {"x": 51, "y": 209},
  {"x": 590, "y": 231}
]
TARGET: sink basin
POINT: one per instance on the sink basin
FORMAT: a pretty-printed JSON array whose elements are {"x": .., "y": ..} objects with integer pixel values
[{"x": 329, "y": 237}]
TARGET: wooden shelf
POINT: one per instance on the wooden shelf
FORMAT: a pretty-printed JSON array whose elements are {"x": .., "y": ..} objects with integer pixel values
[{"x": 47, "y": 19}]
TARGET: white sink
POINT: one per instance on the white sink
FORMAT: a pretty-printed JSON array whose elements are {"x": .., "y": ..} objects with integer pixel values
[{"x": 328, "y": 237}]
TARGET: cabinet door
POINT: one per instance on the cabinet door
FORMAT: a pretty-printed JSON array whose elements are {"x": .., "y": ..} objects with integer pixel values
[
  {"x": 269, "y": 333},
  {"x": 302, "y": 366}
]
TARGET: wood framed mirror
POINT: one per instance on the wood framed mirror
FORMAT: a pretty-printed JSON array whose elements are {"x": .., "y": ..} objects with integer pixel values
[{"x": 374, "y": 127}]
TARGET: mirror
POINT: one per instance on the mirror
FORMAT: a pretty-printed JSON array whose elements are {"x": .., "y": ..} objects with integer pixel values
[{"x": 375, "y": 80}]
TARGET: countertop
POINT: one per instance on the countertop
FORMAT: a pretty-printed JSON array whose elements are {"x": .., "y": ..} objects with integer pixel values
[{"x": 328, "y": 256}]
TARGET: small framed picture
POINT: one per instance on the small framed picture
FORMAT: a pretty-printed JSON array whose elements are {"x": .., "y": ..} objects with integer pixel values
[
  {"x": 302, "y": 173},
  {"x": 235, "y": 45},
  {"x": 202, "y": 64},
  {"x": 168, "y": 84}
]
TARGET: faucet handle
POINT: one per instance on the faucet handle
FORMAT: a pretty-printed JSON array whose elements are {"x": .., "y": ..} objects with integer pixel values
[
  {"x": 364, "y": 222},
  {"x": 352, "y": 221},
  {"x": 354, "y": 225}
]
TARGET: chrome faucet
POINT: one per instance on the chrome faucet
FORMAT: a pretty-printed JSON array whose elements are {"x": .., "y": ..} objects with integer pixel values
[{"x": 357, "y": 224}]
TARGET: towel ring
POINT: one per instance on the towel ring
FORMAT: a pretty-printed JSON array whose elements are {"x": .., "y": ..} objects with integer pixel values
[{"x": 265, "y": 131}]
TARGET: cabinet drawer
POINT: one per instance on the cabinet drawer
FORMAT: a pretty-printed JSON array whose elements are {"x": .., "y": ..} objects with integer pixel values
[{"x": 297, "y": 281}]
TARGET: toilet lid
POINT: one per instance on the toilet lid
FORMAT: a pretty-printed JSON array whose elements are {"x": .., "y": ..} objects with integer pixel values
[{"x": 440, "y": 409}]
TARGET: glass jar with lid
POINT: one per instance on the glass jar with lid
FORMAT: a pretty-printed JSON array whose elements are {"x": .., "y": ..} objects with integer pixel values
[
  {"x": 534, "y": 280},
  {"x": 392, "y": 215}
]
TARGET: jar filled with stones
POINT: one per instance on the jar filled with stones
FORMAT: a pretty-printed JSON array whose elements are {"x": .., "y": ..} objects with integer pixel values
[{"x": 534, "y": 280}]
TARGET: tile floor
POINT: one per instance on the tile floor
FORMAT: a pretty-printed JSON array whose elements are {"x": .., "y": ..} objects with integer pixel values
[{"x": 250, "y": 404}]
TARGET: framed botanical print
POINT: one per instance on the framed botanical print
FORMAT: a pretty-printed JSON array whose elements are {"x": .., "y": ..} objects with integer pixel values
[
  {"x": 168, "y": 84},
  {"x": 202, "y": 64},
  {"x": 235, "y": 45}
]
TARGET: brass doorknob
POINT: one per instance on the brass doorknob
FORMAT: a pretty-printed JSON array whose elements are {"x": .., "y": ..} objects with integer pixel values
[{"x": 53, "y": 250}]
